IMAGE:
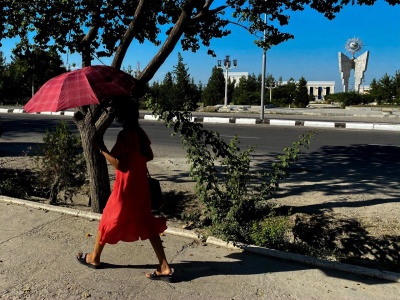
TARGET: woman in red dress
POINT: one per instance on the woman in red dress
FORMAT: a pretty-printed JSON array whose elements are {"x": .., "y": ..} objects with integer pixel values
[{"x": 127, "y": 216}]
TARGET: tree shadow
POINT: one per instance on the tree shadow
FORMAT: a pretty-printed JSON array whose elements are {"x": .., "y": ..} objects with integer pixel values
[
  {"x": 356, "y": 168},
  {"x": 348, "y": 241},
  {"x": 344, "y": 172},
  {"x": 176, "y": 203}
]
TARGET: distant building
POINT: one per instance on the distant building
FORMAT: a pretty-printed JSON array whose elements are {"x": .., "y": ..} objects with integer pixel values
[
  {"x": 317, "y": 89},
  {"x": 236, "y": 76},
  {"x": 320, "y": 89},
  {"x": 365, "y": 89}
]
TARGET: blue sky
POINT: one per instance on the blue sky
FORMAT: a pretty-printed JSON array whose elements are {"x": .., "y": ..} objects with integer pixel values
[{"x": 313, "y": 53}]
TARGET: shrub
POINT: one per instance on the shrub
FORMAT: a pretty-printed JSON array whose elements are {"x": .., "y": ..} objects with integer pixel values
[
  {"x": 228, "y": 189},
  {"x": 62, "y": 164},
  {"x": 12, "y": 185},
  {"x": 271, "y": 232}
]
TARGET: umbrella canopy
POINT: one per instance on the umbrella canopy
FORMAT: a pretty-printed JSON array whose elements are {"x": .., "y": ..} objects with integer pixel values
[{"x": 85, "y": 86}]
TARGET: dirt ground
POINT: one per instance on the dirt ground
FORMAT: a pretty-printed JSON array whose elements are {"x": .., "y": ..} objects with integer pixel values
[
  {"x": 377, "y": 211},
  {"x": 355, "y": 209}
]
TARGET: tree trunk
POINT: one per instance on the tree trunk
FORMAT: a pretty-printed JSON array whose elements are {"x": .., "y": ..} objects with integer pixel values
[
  {"x": 92, "y": 123},
  {"x": 96, "y": 164}
]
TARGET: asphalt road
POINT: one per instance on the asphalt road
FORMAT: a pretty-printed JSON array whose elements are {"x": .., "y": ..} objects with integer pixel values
[
  {"x": 333, "y": 152},
  {"x": 22, "y": 131}
]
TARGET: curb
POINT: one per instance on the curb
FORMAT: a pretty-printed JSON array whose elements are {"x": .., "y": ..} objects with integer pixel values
[
  {"x": 252, "y": 121},
  {"x": 386, "y": 275},
  {"x": 308, "y": 260}
]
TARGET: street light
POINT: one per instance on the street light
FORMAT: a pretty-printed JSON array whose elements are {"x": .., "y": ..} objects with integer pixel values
[
  {"x": 263, "y": 71},
  {"x": 271, "y": 86},
  {"x": 228, "y": 64}
]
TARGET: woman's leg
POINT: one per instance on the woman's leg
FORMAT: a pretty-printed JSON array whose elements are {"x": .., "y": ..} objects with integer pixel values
[
  {"x": 164, "y": 268},
  {"x": 94, "y": 257}
]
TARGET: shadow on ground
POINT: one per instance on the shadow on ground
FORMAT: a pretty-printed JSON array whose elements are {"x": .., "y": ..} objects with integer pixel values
[{"x": 345, "y": 172}]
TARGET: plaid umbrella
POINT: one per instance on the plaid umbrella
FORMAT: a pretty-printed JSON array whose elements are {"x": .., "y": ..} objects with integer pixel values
[{"x": 85, "y": 86}]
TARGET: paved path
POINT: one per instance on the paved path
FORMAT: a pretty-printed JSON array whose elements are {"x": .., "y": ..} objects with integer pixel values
[{"x": 37, "y": 261}]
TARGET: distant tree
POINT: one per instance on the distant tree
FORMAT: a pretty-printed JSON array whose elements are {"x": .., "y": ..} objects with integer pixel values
[
  {"x": 301, "y": 98},
  {"x": 374, "y": 90},
  {"x": 248, "y": 91},
  {"x": 396, "y": 86},
  {"x": 348, "y": 98},
  {"x": 166, "y": 92},
  {"x": 177, "y": 91},
  {"x": 37, "y": 65},
  {"x": 29, "y": 69},
  {"x": 3, "y": 69},
  {"x": 386, "y": 90},
  {"x": 195, "y": 91},
  {"x": 214, "y": 91},
  {"x": 184, "y": 91}
]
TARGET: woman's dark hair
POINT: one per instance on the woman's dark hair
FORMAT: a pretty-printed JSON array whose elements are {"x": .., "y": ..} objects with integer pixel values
[{"x": 127, "y": 114}]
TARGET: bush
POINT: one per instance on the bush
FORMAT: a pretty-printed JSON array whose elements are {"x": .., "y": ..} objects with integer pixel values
[
  {"x": 228, "y": 189},
  {"x": 349, "y": 98},
  {"x": 13, "y": 186},
  {"x": 271, "y": 232},
  {"x": 62, "y": 165}
]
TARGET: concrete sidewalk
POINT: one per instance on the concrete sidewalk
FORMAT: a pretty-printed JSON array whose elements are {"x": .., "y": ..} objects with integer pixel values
[{"x": 37, "y": 261}]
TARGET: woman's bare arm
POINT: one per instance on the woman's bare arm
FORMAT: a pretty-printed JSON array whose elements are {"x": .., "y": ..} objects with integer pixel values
[{"x": 111, "y": 159}]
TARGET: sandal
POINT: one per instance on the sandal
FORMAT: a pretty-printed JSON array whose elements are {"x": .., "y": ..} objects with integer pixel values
[
  {"x": 82, "y": 259},
  {"x": 166, "y": 278}
]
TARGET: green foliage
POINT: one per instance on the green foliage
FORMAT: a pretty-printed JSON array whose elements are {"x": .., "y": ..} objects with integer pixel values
[
  {"x": 301, "y": 98},
  {"x": 271, "y": 232},
  {"x": 13, "y": 186},
  {"x": 29, "y": 69},
  {"x": 62, "y": 165},
  {"x": 214, "y": 92},
  {"x": 177, "y": 89},
  {"x": 348, "y": 98},
  {"x": 248, "y": 91},
  {"x": 230, "y": 192},
  {"x": 386, "y": 90}
]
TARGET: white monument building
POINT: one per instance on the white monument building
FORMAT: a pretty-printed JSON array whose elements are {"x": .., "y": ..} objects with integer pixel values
[
  {"x": 320, "y": 89},
  {"x": 236, "y": 76},
  {"x": 359, "y": 65}
]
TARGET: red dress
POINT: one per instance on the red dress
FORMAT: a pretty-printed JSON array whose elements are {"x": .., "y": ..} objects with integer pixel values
[{"x": 127, "y": 216}]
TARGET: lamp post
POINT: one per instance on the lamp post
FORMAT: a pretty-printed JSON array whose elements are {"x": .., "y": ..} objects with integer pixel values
[
  {"x": 263, "y": 71},
  {"x": 228, "y": 64},
  {"x": 271, "y": 86}
]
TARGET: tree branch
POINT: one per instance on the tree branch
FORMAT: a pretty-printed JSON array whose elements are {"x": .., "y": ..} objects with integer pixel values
[
  {"x": 205, "y": 11},
  {"x": 169, "y": 44},
  {"x": 128, "y": 37},
  {"x": 87, "y": 40}
]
